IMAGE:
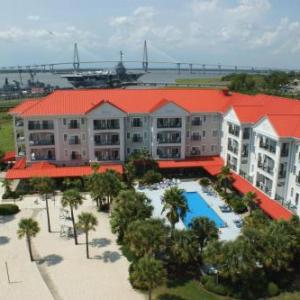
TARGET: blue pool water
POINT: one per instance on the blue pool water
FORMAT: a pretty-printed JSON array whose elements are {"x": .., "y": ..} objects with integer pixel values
[{"x": 198, "y": 207}]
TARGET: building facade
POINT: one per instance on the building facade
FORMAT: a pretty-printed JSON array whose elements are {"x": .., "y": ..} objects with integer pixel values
[{"x": 257, "y": 136}]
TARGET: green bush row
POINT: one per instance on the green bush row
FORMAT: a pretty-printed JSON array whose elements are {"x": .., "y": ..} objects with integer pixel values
[{"x": 8, "y": 209}]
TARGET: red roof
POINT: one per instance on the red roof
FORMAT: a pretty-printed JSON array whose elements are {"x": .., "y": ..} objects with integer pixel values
[
  {"x": 286, "y": 125},
  {"x": 23, "y": 106},
  {"x": 44, "y": 169},
  {"x": 80, "y": 102},
  {"x": 200, "y": 161},
  {"x": 271, "y": 207},
  {"x": 9, "y": 156}
]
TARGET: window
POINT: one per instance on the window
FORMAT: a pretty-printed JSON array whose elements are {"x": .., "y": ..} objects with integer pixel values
[
  {"x": 203, "y": 133},
  {"x": 292, "y": 192},
  {"x": 195, "y": 136},
  {"x": 65, "y": 137},
  {"x": 297, "y": 199},
  {"x": 203, "y": 148},
  {"x": 128, "y": 135},
  {"x": 137, "y": 122},
  {"x": 246, "y": 133},
  {"x": 145, "y": 135},
  {"x": 64, "y": 122},
  {"x": 82, "y": 121},
  {"x": 73, "y": 124},
  {"x": 204, "y": 118},
  {"x": 216, "y": 117},
  {"x": 196, "y": 121},
  {"x": 213, "y": 148},
  {"x": 83, "y": 153},
  {"x": 215, "y": 133}
]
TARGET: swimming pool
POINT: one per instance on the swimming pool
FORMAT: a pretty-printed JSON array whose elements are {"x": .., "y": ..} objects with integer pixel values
[{"x": 198, "y": 207}]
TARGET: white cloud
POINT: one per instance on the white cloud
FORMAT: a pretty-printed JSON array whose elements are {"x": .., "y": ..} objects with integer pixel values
[
  {"x": 33, "y": 18},
  {"x": 200, "y": 6}
]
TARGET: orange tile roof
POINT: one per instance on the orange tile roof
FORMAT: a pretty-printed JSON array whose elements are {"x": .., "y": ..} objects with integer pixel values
[
  {"x": 44, "y": 169},
  {"x": 271, "y": 207},
  {"x": 23, "y": 106},
  {"x": 9, "y": 156},
  {"x": 286, "y": 125},
  {"x": 200, "y": 161},
  {"x": 80, "y": 102}
]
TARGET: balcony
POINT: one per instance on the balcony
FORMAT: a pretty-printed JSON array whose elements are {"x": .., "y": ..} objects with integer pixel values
[
  {"x": 266, "y": 189},
  {"x": 196, "y": 137},
  {"x": 168, "y": 153},
  {"x": 107, "y": 155},
  {"x": 106, "y": 124},
  {"x": 268, "y": 145},
  {"x": 169, "y": 123},
  {"x": 74, "y": 141},
  {"x": 42, "y": 154},
  {"x": 282, "y": 175},
  {"x": 232, "y": 149},
  {"x": 195, "y": 152},
  {"x": 36, "y": 139},
  {"x": 136, "y": 122},
  {"x": 106, "y": 140},
  {"x": 266, "y": 168},
  {"x": 75, "y": 156},
  {"x": 234, "y": 130},
  {"x": 19, "y": 123},
  {"x": 73, "y": 125},
  {"x": 298, "y": 179},
  {"x": 44, "y": 125},
  {"x": 137, "y": 139},
  {"x": 196, "y": 122}
]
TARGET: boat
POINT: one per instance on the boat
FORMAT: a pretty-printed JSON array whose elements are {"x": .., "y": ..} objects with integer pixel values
[{"x": 103, "y": 78}]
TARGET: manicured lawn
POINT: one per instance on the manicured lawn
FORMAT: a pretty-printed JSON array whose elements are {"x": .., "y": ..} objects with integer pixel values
[
  {"x": 190, "y": 290},
  {"x": 217, "y": 81},
  {"x": 6, "y": 132}
]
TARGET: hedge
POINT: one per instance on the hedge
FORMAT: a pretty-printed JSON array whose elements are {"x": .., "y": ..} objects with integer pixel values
[{"x": 8, "y": 209}]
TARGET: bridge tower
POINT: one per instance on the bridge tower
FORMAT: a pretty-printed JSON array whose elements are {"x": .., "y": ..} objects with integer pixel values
[
  {"x": 76, "y": 60},
  {"x": 145, "y": 57}
]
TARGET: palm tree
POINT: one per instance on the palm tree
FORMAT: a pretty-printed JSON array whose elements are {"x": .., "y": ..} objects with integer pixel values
[
  {"x": 130, "y": 172},
  {"x": 204, "y": 229},
  {"x": 183, "y": 248},
  {"x": 44, "y": 186},
  {"x": 149, "y": 273},
  {"x": 146, "y": 237},
  {"x": 87, "y": 222},
  {"x": 175, "y": 205},
  {"x": 204, "y": 182},
  {"x": 28, "y": 228},
  {"x": 96, "y": 187},
  {"x": 6, "y": 183},
  {"x": 73, "y": 199},
  {"x": 224, "y": 178},
  {"x": 129, "y": 206},
  {"x": 250, "y": 199}
]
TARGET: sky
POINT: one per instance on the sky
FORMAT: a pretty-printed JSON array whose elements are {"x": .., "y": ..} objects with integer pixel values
[{"x": 259, "y": 33}]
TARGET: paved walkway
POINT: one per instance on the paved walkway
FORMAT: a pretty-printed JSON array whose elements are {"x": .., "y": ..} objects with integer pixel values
[{"x": 62, "y": 272}]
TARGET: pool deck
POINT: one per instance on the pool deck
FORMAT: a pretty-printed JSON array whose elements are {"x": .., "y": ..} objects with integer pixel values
[{"x": 230, "y": 232}]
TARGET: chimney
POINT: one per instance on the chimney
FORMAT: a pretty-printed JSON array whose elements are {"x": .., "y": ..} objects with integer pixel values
[{"x": 226, "y": 92}]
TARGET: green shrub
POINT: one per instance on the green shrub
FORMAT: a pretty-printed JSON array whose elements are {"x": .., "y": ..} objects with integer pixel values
[
  {"x": 238, "y": 206},
  {"x": 273, "y": 289},
  {"x": 10, "y": 195},
  {"x": 210, "y": 285},
  {"x": 151, "y": 177},
  {"x": 8, "y": 209}
]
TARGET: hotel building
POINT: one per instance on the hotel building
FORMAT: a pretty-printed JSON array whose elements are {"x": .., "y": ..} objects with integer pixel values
[{"x": 258, "y": 137}]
